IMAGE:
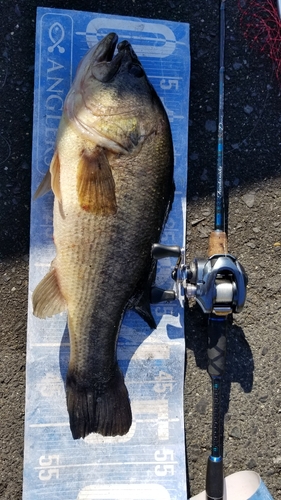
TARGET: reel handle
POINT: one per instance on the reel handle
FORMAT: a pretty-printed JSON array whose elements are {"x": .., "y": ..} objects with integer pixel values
[{"x": 160, "y": 251}]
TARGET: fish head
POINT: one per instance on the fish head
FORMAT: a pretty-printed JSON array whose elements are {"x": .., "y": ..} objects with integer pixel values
[
  {"x": 124, "y": 69},
  {"x": 111, "y": 101}
]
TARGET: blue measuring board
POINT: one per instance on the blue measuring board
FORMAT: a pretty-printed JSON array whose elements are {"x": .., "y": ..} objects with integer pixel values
[{"x": 149, "y": 462}]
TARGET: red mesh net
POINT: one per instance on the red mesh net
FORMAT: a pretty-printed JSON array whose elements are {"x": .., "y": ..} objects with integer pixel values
[{"x": 261, "y": 26}]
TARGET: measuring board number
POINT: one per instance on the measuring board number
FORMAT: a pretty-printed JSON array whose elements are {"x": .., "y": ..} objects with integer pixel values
[
  {"x": 48, "y": 467},
  {"x": 164, "y": 382},
  {"x": 166, "y": 466},
  {"x": 169, "y": 84}
]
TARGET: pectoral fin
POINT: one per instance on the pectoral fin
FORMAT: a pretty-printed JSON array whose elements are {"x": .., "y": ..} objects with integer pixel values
[
  {"x": 47, "y": 298},
  {"x": 95, "y": 184},
  {"x": 51, "y": 179}
]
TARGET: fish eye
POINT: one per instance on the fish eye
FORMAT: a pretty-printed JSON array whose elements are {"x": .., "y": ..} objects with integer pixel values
[{"x": 136, "y": 70}]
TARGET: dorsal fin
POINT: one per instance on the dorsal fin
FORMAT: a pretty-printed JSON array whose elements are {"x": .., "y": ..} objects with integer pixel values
[
  {"x": 51, "y": 180},
  {"x": 55, "y": 175},
  {"x": 44, "y": 186}
]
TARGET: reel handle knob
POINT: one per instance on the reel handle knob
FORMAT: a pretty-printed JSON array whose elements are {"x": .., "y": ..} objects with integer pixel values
[
  {"x": 160, "y": 251},
  {"x": 160, "y": 295}
]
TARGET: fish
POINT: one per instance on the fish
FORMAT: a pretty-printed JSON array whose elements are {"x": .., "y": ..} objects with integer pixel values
[{"x": 112, "y": 178}]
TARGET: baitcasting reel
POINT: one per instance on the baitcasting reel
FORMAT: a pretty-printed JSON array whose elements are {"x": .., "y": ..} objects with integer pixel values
[{"x": 218, "y": 283}]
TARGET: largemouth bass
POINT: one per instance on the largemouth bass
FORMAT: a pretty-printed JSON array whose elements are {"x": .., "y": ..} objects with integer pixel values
[{"x": 112, "y": 177}]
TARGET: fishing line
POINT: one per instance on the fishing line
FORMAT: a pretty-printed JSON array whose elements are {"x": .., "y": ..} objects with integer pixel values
[{"x": 261, "y": 25}]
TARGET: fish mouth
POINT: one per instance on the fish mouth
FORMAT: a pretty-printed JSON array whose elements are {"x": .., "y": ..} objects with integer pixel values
[
  {"x": 104, "y": 50},
  {"x": 105, "y": 65}
]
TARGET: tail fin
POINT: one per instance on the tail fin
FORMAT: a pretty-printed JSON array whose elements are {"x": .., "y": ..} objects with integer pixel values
[{"x": 102, "y": 408}]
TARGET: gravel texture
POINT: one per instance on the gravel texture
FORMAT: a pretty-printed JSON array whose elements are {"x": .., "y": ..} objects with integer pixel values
[{"x": 252, "y": 388}]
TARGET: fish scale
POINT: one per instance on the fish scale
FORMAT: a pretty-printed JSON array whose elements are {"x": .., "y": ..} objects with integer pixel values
[{"x": 103, "y": 279}]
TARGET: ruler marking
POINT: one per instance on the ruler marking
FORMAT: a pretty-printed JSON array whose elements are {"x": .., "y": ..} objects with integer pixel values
[
  {"x": 137, "y": 420},
  {"x": 93, "y": 464}
]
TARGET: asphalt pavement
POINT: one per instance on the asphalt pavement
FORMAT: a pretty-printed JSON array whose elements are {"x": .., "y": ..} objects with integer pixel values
[{"x": 252, "y": 388}]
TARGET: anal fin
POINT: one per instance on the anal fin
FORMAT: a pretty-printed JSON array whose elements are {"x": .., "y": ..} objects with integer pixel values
[
  {"x": 47, "y": 298},
  {"x": 140, "y": 302},
  {"x": 95, "y": 184},
  {"x": 142, "y": 307}
]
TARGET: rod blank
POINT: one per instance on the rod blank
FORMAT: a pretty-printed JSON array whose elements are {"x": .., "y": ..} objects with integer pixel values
[{"x": 219, "y": 204}]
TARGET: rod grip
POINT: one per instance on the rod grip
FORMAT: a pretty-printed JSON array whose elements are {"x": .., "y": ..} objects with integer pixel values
[
  {"x": 217, "y": 243},
  {"x": 217, "y": 330},
  {"x": 214, "y": 479}
]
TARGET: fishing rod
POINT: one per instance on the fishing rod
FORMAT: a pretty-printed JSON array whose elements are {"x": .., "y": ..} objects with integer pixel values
[
  {"x": 218, "y": 284},
  {"x": 217, "y": 323}
]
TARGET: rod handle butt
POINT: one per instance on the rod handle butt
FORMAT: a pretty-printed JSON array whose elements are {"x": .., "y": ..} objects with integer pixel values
[{"x": 214, "y": 479}]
